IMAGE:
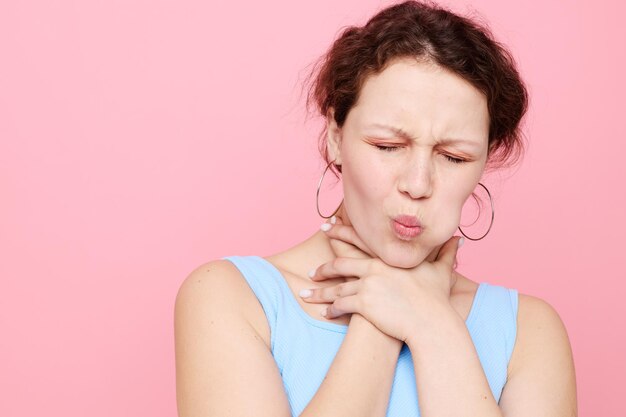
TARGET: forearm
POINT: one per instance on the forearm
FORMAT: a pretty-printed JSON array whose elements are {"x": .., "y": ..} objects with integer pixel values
[
  {"x": 449, "y": 376},
  {"x": 359, "y": 380}
]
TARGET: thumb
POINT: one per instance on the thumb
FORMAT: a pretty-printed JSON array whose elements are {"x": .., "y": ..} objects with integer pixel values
[{"x": 447, "y": 253}]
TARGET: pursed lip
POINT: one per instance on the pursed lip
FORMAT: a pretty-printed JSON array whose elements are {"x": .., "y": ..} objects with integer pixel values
[{"x": 407, "y": 220}]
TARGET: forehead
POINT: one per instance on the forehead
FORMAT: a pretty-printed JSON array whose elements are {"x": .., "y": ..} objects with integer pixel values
[{"x": 424, "y": 99}]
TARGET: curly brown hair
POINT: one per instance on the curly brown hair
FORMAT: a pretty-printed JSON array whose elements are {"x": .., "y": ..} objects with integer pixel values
[{"x": 433, "y": 34}]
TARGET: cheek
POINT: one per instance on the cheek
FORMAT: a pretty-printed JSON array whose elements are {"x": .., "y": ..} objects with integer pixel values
[
  {"x": 364, "y": 181},
  {"x": 445, "y": 217},
  {"x": 366, "y": 193}
]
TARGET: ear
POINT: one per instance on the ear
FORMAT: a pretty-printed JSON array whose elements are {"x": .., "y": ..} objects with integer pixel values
[{"x": 333, "y": 137}]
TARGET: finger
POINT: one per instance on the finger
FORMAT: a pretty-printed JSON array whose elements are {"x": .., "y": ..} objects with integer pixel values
[
  {"x": 346, "y": 250},
  {"x": 447, "y": 253},
  {"x": 330, "y": 293},
  {"x": 344, "y": 305},
  {"x": 336, "y": 219},
  {"x": 349, "y": 235},
  {"x": 342, "y": 267},
  {"x": 342, "y": 248}
]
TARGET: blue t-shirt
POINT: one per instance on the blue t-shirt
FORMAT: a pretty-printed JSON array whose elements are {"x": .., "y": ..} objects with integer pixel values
[{"x": 304, "y": 347}]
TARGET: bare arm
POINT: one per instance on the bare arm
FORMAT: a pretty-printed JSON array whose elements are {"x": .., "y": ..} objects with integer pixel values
[
  {"x": 223, "y": 367},
  {"x": 359, "y": 380},
  {"x": 541, "y": 381},
  {"x": 449, "y": 376}
]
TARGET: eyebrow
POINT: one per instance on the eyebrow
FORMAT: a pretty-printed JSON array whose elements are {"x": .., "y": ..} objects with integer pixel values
[{"x": 405, "y": 135}]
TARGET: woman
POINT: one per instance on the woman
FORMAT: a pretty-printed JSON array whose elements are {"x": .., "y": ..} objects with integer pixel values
[{"x": 368, "y": 316}]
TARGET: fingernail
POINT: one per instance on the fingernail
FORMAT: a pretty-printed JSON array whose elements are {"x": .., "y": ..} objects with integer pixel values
[
  {"x": 312, "y": 273},
  {"x": 333, "y": 220},
  {"x": 325, "y": 227},
  {"x": 324, "y": 312},
  {"x": 305, "y": 293},
  {"x": 461, "y": 241}
]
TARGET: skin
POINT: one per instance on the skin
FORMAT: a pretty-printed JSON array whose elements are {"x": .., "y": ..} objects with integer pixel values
[{"x": 415, "y": 178}]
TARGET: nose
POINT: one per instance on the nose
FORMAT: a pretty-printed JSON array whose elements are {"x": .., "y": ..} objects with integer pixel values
[{"x": 416, "y": 176}]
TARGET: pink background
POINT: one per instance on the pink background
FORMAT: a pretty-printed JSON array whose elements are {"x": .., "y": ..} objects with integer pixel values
[{"x": 139, "y": 139}]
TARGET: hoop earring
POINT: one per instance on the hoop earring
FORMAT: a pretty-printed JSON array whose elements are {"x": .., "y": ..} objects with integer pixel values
[
  {"x": 493, "y": 212},
  {"x": 317, "y": 203}
]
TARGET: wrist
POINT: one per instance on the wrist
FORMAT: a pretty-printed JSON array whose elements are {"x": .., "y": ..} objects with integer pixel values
[
  {"x": 443, "y": 325},
  {"x": 359, "y": 323}
]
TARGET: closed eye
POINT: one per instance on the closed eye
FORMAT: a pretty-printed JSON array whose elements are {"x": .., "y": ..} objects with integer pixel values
[
  {"x": 387, "y": 148},
  {"x": 454, "y": 160},
  {"x": 394, "y": 148}
]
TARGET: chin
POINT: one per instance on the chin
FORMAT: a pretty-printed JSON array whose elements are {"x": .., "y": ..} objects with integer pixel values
[{"x": 404, "y": 256}]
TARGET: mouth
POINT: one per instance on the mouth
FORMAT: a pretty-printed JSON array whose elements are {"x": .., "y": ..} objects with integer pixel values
[
  {"x": 407, "y": 220},
  {"x": 405, "y": 232}
]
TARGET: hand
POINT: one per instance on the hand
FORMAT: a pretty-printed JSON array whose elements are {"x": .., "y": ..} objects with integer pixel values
[
  {"x": 343, "y": 248},
  {"x": 396, "y": 300},
  {"x": 345, "y": 242}
]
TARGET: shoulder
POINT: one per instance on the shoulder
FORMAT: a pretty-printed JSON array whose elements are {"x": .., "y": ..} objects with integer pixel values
[
  {"x": 209, "y": 281},
  {"x": 541, "y": 369},
  {"x": 217, "y": 350},
  {"x": 218, "y": 285},
  {"x": 538, "y": 322}
]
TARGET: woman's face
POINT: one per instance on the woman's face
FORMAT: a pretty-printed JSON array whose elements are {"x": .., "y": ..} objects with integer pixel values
[{"x": 444, "y": 117}]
